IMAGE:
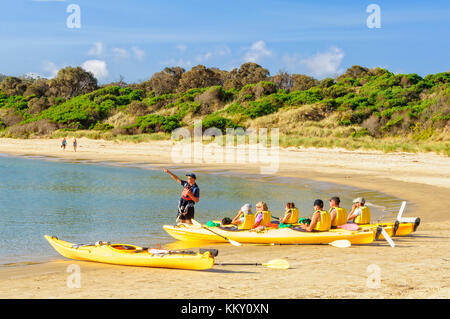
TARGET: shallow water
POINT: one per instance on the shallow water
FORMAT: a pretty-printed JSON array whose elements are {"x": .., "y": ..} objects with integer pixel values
[{"x": 85, "y": 202}]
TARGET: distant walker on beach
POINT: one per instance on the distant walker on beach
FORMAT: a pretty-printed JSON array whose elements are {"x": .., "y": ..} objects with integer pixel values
[{"x": 64, "y": 144}]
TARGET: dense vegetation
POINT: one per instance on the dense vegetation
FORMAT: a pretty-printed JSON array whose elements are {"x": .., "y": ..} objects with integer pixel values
[{"x": 360, "y": 108}]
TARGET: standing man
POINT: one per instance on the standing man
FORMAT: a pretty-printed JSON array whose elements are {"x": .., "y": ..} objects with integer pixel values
[{"x": 189, "y": 196}]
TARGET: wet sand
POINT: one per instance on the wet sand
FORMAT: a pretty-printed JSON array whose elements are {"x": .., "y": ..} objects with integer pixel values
[{"x": 418, "y": 267}]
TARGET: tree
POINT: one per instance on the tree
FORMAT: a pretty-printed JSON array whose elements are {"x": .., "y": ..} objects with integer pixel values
[
  {"x": 248, "y": 73},
  {"x": 13, "y": 86},
  {"x": 39, "y": 88},
  {"x": 303, "y": 82},
  {"x": 71, "y": 82},
  {"x": 326, "y": 83},
  {"x": 166, "y": 81},
  {"x": 354, "y": 72},
  {"x": 198, "y": 77},
  {"x": 283, "y": 81}
]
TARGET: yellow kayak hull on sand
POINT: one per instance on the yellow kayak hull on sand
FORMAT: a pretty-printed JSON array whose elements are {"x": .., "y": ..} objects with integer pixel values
[
  {"x": 267, "y": 236},
  {"x": 131, "y": 255},
  {"x": 404, "y": 229}
]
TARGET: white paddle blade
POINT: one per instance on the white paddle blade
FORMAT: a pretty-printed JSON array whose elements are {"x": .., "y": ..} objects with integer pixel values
[
  {"x": 277, "y": 264},
  {"x": 400, "y": 212},
  {"x": 234, "y": 243},
  {"x": 388, "y": 239},
  {"x": 341, "y": 243}
]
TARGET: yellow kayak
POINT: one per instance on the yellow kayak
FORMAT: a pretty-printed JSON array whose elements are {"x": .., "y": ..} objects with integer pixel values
[
  {"x": 131, "y": 255},
  {"x": 267, "y": 236},
  {"x": 403, "y": 229}
]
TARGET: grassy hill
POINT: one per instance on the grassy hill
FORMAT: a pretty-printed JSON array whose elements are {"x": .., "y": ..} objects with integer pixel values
[{"x": 373, "y": 110}]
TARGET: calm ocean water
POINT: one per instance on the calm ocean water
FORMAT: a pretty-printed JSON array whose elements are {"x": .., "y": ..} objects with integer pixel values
[{"x": 84, "y": 203}]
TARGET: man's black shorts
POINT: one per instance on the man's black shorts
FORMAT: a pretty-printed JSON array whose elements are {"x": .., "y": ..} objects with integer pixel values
[{"x": 189, "y": 213}]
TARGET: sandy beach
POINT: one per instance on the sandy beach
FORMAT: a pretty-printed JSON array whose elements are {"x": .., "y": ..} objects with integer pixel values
[{"x": 418, "y": 267}]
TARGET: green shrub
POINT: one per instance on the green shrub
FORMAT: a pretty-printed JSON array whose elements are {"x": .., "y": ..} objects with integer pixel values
[
  {"x": 155, "y": 123},
  {"x": 259, "y": 108},
  {"x": 304, "y": 97},
  {"x": 102, "y": 126},
  {"x": 214, "y": 120}
]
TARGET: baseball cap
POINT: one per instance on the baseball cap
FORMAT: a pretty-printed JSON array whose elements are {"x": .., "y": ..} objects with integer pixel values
[
  {"x": 359, "y": 200},
  {"x": 191, "y": 175}
]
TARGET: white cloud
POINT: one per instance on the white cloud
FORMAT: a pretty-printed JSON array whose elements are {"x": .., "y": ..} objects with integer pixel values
[
  {"x": 220, "y": 51},
  {"x": 204, "y": 57},
  {"x": 181, "y": 47},
  {"x": 50, "y": 68},
  {"x": 180, "y": 62},
  {"x": 96, "y": 50},
  {"x": 97, "y": 67},
  {"x": 223, "y": 51},
  {"x": 324, "y": 64},
  {"x": 257, "y": 51},
  {"x": 32, "y": 75},
  {"x": 138, "y": 53},
  {"x": 120, "y": 53}
]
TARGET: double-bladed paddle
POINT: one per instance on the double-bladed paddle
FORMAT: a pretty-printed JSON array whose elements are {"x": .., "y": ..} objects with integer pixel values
[{"x": 274, "y": 264}]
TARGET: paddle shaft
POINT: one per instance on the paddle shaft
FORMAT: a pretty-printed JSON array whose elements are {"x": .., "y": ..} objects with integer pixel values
[
  {"x": 238, "y": 264},
  {"x": 179, "y": 214},
  {"x": 215, "y": 233}
]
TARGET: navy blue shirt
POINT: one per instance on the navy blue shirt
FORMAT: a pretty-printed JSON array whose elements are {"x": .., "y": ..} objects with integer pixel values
[{"x": 194, "y": 189}]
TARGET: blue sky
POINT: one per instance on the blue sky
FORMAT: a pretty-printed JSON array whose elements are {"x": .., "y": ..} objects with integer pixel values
[{"x": 138, "y": 38}]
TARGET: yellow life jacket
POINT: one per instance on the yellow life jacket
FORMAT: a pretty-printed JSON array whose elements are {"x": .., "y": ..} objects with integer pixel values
[
  {"x": 364, "y": 218},
  {"x": 325, "y": 221},
  {"x": 266, "y": 219},
  {"x": 341, "y": 216},
  {"x": 249, "y": 222},
  {"x": 293, "y": 219}
]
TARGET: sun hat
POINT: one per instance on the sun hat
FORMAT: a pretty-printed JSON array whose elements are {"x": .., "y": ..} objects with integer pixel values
[
  {"x": 359, "y": 200},
  {"x": 247, "y": 208}
]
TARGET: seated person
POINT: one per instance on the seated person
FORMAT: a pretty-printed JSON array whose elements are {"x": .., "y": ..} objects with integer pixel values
[
  {"x": 338, "y": 214},
  {"x": 240, "y": 217},
  {"x": 360, "y": 213},
  {"x": 291, "y": 214},
  {"x": 263, "y": 216},
  {"x": 320, "y": 220}
]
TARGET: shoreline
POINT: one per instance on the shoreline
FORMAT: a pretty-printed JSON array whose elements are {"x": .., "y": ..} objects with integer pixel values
[{"x": 422, "y": 179}]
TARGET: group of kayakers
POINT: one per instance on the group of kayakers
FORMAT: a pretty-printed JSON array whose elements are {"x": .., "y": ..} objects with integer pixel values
[{"x": 320, "y": 220}]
